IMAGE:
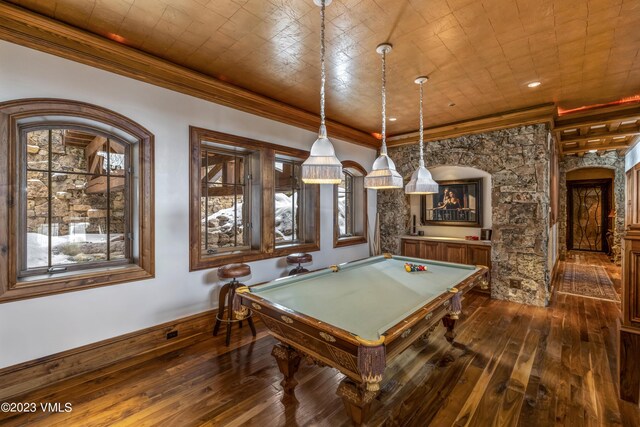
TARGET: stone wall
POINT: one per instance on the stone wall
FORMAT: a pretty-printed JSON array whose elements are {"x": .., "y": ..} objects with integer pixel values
[
  {"x": 609, "y": 160},
  {"x": 518, "y": 161}
]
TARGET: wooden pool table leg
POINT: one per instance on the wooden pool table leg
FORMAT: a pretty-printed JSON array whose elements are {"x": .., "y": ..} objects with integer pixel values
[
  {"x": 449, "y": 322},
  {"x": 288, "y": 362},
  {"x": 357, "y": 400}
]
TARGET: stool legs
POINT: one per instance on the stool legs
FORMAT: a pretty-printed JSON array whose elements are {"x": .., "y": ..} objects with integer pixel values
[
  {"x": 225, "y": 301},
  {"x": 299, "y": 269},
  {"x": 221, "y": 305}
]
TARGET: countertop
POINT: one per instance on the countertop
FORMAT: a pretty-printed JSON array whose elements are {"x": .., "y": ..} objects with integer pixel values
[{"x": 448, "y": 240}]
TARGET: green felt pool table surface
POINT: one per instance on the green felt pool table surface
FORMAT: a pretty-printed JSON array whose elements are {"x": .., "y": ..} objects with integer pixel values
[{"x": 365, "y": 297}]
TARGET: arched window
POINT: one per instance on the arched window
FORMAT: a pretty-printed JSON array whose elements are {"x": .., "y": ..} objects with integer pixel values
[
  {"x": 350, "y": 206},
  {"x": 81, "y": 178}
]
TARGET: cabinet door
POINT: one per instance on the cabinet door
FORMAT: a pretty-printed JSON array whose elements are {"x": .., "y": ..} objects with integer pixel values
[
  {"x": 479, "y": 255},
  {"x": 411, "y": 248},
  {"x": 454, "y": 252},
  {"x": 430, "y": 250}
]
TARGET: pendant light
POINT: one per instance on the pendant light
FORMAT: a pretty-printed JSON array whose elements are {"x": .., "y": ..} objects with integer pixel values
[
  {"x": 421, "y": 181},
  {"x": 383, "y": 175},
  {"x": 322, "y": 166}
]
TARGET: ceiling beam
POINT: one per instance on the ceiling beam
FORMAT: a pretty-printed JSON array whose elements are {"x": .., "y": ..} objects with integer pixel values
[
  {"x": 538, "y": 114},
  {"x": 608, "y": 116},
  {"x": 26, "y": 28},
  {"x": 585, "y": 149},
  {"x": 600, "y": 135}
]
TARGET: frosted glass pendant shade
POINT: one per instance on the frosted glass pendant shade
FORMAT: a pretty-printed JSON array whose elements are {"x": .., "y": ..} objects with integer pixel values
[
  {"x": 322, "y": 166},
  {"x": 383, "y": 175},
  {"x": 421, "y": 182}
]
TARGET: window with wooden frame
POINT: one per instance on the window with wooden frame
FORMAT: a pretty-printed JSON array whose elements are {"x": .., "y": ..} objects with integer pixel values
[
  {"x": 247, "y": 201},
  {"x": 226, "y": 199},
  {"x": 296, "y": 220},
  {"x": 82, "y": 180},
  {"x": 350, "y": 206}
]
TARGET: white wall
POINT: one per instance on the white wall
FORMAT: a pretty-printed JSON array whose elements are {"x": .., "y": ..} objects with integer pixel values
[
  {"x": 42, "y": 326},
  {"x": 632, "y": 157},
  {"x": 449, "y": 173}
]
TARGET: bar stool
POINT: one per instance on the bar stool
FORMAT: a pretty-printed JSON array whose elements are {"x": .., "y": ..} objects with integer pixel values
[
  {"x": 227, "y": 296},
  {"x": 298, "y": 258}
]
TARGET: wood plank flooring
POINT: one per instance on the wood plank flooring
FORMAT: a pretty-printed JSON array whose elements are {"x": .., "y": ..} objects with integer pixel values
[{"x": 511, "y": 365}]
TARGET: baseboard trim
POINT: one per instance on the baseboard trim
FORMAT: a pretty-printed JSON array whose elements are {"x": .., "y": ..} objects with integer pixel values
[{"x": 34, "y": 374}]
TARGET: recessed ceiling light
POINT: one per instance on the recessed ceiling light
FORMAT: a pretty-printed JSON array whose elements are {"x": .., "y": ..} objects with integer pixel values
[
  {"x": 392, "y": 119},
  {"x": 452, "y": 104},
  {"x": 593, "y": 151},
  {"x": 619, "y": 137},
  {"x": 597, "y": 126},
  {"x": 593, "y": 140},
  {"x": 534, "y": 84}
]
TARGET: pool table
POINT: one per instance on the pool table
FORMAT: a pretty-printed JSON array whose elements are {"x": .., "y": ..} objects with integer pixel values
[{"x": 357, "y": 317}]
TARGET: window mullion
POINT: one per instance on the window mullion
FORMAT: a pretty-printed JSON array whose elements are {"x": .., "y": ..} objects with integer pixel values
[
  {"x": 49, "y": 204},
  {"x": 108, "y": 200},
  {"x": 206, "y": 200}
]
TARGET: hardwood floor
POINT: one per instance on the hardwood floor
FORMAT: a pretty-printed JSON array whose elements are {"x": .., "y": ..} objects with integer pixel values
[{"x": 511, "y": 365}]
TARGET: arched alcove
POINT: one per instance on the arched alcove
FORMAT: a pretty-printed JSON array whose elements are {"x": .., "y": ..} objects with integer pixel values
[{"x": 451, "y": 173}]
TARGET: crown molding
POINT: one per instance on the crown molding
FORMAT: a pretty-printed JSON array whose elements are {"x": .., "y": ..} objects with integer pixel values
[
  {"x": 26, "y": 28},
  {"x": 544, "y": 113}
]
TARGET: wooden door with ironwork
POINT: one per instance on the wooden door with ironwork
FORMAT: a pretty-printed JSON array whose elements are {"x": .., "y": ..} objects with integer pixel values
[{"x": 587, "y": 210}]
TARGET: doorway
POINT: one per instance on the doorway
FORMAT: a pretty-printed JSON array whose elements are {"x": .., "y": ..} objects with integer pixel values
[{"x": 588, "y": 205}]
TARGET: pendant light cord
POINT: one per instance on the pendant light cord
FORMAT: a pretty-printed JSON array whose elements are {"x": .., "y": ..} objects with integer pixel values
[
  {"x": 383, "y": 148},
  {"x": 322, "y": 72},
  {"x": 421, "y": 130}
]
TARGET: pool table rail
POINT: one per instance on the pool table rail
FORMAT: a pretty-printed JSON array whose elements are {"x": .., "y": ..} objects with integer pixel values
[{"x": 305, "y": 337}]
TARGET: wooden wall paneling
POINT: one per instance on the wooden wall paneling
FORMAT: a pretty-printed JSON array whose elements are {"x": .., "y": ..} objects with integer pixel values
[
  {"x": 629, "y": 333},
  {"x": 48, "y": 370},
  {"x": 629, "y": 368}
]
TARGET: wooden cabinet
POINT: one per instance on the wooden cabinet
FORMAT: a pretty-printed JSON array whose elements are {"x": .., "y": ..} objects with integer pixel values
[
  {"x": 411, "y": 248},
  {"x": 479, "y": 255},
  {"x": 454, "y": 252},
  {"x": 462, "y": 253},
  {"x": 430, "y": 250}
]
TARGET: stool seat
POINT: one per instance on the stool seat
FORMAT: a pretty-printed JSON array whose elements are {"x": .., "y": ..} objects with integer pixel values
[
  {"x": 299, "y": 258},
  {"x": 228, "y": 300},
  {"x": 231, "y": 271}
]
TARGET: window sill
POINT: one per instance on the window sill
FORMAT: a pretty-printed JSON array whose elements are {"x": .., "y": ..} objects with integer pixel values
[
  {"x": 214, "y": 261},
  {"x": 293, "y": 248},
  {"x": 349, "y": 241},
  {"x": 50, "y": 284}
]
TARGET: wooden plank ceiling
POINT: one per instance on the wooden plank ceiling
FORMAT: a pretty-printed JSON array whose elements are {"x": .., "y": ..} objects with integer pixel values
[{"x": 480, "y": 54}]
